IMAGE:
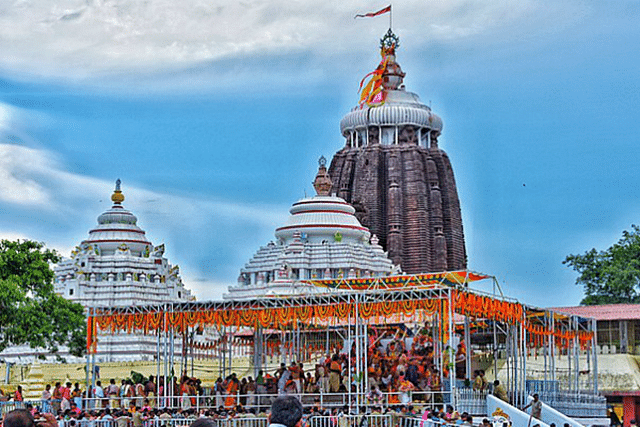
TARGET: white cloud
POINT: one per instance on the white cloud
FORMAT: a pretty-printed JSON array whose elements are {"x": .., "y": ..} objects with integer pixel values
[
  {"x": 86, "y": 39},
  {"x": 35, "y": 177},
  {"x": 13, "y": 235},
  {"x": 18, "y": 185}
]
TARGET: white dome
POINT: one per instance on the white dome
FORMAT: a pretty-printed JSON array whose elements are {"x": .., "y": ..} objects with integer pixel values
[
  {"x": 400, "y": 108},
  {"x": 321, "y": 219},
  {"x": 118, "y": 230},
  {"x": 321, "y": 239}
]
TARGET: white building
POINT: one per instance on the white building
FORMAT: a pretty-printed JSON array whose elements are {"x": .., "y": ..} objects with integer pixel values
[
  {"x": 322, "y": 239},
  {"x": 116, "y": 266}
]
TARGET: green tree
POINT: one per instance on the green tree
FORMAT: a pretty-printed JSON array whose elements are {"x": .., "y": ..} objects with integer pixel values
[
  {"x": 611, "y": 276},
  {"x": 30, "y": 311}
]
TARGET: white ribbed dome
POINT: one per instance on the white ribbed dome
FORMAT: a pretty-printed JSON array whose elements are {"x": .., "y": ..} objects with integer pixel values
[
  {"x": 117, "y": 228},
  {"x": 320, "y": 218},
  {"x": 400, "y": 108},
  {"x": 321, "y": 239}
]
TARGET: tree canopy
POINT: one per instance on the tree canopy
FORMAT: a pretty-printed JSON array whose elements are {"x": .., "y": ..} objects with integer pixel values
[
  {"x": 30, "y": 311},
  {"x": 611, "y": 276}
]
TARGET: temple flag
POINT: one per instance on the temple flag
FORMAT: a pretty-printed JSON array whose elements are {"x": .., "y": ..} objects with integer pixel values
[{"x": 372, "y": 14}]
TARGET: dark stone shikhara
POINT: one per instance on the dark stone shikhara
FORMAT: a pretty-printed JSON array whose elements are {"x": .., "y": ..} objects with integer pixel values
[
  {"x": 406, "y": 195},
  {"x": 402, "y": 187}
]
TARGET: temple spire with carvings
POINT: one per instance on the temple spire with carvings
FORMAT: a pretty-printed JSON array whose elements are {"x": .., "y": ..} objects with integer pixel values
[{"x": 322, "y": 183}]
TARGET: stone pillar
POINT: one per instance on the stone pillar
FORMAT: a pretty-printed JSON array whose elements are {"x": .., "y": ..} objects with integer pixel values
[
  {"x": 434, "y": 140},
  {"x": 624, "y": 337},
  {"x": 394, "y": 200}
]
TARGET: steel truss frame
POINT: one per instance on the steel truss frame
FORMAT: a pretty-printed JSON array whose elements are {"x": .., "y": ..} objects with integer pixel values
[{"x": 441, "y": 287}]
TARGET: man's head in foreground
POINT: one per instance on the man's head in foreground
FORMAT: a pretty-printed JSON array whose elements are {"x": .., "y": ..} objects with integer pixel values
[
  {"x": 286, "y": 410},
  {"x": 23, "y": 418}
]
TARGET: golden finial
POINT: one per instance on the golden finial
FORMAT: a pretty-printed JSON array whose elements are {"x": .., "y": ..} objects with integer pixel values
[{"x": 117, "y": 197}]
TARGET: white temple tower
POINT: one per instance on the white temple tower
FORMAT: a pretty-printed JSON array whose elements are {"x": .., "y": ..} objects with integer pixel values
[
  {"x": 322, "y": 239},
  {"x": 117, "y": 266}
]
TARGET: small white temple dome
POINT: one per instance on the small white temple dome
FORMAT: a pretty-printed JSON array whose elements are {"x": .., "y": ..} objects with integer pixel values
[
  {"x": 321, "y": 219},
  {"x": 117, "y": 230},
  {"x": 321, "y": 239}
]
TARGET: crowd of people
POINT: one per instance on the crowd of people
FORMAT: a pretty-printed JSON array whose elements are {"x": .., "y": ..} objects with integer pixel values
[
  {"x": 165, "y": 417},
  {"x": 285, "y": 411},
  {"x": 400, "y": 371}
]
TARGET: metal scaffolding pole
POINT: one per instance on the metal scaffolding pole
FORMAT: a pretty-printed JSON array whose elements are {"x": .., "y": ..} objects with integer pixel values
[
  {"x": 157, "y": 392},
  {"x": 576, "y": 351},
  {"x": 508, "y": 362},
  {"x": 193, "y": 336},
  {"x": 87, "y": 367},
  {"x": 467, "y": 343},
  {"x": 523, "y": 333},
  {"x": 298, "y": 343},
  {"x": 348, "y": 350},
  {"x": 257, "y": 350},
  {"x": 165, "y": 362},
  {"x": 184, "y": 353},
  {"x": 594, "y": 344},
  {"x": 172, "y": 354},
  {"x": 452, "y": 371},
  {"x": 495, "y": 340},
  {"x": 357, "y": 347},
  {"x": 366, "y": 356},
  {"x": 545, "y": 350},
  {"x": 569, "y": 354}
]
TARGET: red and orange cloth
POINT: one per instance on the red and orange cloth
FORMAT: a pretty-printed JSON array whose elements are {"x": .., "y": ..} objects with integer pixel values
[{"x": 372, "y": 14}]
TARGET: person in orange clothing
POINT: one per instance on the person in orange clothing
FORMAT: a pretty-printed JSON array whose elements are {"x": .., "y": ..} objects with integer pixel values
[
  {"x": 394, "y": 397},
  {"x": 233, "y": 386},
  {"x": 335, "y": 368}
]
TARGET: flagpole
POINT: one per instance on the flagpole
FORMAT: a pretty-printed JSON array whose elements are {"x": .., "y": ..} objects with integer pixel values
[{"x": 390, "y": 17}]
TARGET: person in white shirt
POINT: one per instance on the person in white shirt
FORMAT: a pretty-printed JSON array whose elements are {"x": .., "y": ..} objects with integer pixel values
[
  {"x": 98, "y": 394},
  {"x": 46, "y": 399}
]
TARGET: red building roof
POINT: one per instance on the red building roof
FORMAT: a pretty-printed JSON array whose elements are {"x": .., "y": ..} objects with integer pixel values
[{"x": 604, "y": 312}]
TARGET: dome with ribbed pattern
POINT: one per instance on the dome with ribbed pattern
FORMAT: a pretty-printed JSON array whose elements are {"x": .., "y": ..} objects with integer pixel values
[
  {"x": 117, "y": 230},
  {"x": 400, "y": 108}
]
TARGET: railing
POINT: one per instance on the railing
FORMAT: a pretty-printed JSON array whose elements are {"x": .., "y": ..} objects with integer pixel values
[
  {"x": 472, "y": 401},
  {"x": 250, "y": 401},
  {"x": 7, "y": 406},
  {"x": 576, "y": 405},
  {"x": 572, "y": 405},
  {"x": 42, "y": 405},
  {"x": 342, "y": 420},
  {"x": 466, "y": 400}
]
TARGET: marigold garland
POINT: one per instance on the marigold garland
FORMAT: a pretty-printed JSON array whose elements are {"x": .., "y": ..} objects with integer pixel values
[{"x": 463, "y": 302}]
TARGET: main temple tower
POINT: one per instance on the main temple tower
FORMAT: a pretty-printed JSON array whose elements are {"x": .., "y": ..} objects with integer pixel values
[{"x": 395, "y": 175}]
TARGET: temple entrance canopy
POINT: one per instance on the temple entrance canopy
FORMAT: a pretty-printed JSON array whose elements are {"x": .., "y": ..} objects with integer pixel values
[{"x": 444, "y": 301}]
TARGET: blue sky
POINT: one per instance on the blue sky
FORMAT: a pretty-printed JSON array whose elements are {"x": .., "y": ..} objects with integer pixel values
[{"x": 214, "y": 114}]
